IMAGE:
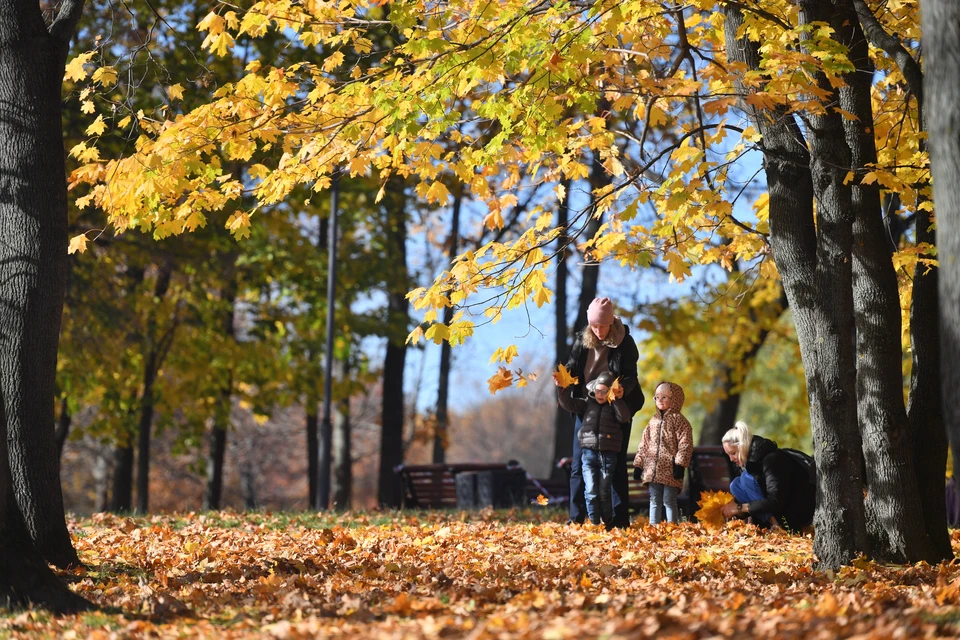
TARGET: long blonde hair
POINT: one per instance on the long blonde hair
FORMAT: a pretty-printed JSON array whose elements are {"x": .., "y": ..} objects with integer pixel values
[{"x": 741, "y": 437}]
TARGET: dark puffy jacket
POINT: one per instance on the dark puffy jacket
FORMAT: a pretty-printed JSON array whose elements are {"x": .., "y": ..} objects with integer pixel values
[
  {"x": 621, "y": 361},
  {"x": 785, "y": 483},
  {"x": 601, "y": 430}
]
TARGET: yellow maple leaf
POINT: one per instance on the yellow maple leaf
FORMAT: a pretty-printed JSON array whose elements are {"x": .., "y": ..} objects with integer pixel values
[
  {"x": 87, "y": 106},
  {"x": 542, "y": 500},
  {"x": 107, "y": 76},
  {"x": 502, "y": 379},
  {"x": 615, "y": 392},
  {"x": 97, "y": 127},
  {"x": 175, "y": 91},
  {"x": 563, "y": 377},
  {"x": 74, "y": 70},
  {"x": 78, "y": 244},
  {"x": 709, "y": 513}
]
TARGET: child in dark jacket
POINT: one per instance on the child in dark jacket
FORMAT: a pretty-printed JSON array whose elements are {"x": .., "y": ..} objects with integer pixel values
[{"x": 600, "y": 439}]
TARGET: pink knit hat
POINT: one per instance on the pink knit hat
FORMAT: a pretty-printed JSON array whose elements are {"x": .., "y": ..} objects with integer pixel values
[{"x": 600, "y": 311}]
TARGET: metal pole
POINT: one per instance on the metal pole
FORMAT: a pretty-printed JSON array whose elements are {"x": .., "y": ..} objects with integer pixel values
[{"x": 326, "y": 427}]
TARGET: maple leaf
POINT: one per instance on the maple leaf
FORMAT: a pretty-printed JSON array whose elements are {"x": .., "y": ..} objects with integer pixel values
[
  {"x": 563, "y": 377},
  {"x": 78, "y": 244},
  {"x": 542, "y": 500},
  {"x": 97, "y": 127},
  {"x": 175, "y": 91},
  {"x": 615, "y": 392},
  {"x": 502, "y": 379},
  {"x": 709, "y": 513}
]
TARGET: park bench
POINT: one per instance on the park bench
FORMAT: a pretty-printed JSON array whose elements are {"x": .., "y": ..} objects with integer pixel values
[{"x": 434, "y": 486}]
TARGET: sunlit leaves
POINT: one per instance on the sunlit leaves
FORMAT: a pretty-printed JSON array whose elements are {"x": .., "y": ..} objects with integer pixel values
[{"x": 563, "y": 377}]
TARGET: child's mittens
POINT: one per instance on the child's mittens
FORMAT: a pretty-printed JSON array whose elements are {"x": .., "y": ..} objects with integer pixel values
[
  {"x": 678, "y": 471},
  {"x": 638, "y": 474}
]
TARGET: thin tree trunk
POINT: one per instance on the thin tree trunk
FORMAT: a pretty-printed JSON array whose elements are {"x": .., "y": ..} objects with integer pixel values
[
  {"x": 941, "y": 48},
  {"x": 101, "y": 484},
  {"x": 342, "y": 454},
  {"x": 155, "y": 354},
  {"x": 63, "y": 426},
  {"x": 894, "y": 515},
  {"x": 590, "y": 278},
  {"x": 814, "y": 262},
  {"x": 563, "y": 422},
  {"x": 121, "y": 496},
  {"x": 392, "y": 410},
  {"x": 443, "y": 386},
  {"x": 221, "y": 413}
]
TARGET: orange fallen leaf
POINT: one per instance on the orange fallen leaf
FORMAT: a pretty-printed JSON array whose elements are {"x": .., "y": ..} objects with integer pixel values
[{"x": 542, "y": 500}]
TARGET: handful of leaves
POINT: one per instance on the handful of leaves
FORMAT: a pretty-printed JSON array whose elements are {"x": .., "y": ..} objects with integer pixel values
[
  {"x": 709, "y": 513},
  {"x": 563, "y": 377}
]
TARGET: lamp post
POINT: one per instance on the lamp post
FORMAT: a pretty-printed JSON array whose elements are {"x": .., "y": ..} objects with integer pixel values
[{"x": 326, "y": 427}]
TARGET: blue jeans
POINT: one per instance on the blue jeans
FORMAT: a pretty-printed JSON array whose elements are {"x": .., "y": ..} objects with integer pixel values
[
  {"x": 665, "y": 495},
  {"x": 598, "y": 468},
  {"x": 578, "y": 505},
  {"x": 745, "y": 488}
]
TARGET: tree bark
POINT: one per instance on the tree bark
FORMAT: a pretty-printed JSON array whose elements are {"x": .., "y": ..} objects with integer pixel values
[
  {"x": 894, "y": 515},
  {"x": 392, "y": 409},
  {"x": 563, "y": 422},
  {"x": 443, "y": 385},
  {"x": 33, "y": 264},
  {"x": 342, "y": 453},
  {"x": 814, "y": 262},
  {"x": 941, "y": 48},
  {"x": 221, "y": 412},
  {"x": 156, "y": 351}
]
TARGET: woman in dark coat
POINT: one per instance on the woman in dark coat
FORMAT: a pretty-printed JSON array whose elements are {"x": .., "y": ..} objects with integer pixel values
[
  {"x": 604, "y": 345},
  {"x": 776, "y": 486}
]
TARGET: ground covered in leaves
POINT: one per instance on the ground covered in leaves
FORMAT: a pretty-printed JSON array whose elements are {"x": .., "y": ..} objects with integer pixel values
[{"x": 480, "y": 575}]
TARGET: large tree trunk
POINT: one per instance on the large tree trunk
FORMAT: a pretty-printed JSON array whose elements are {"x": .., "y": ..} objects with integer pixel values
[
  {"x": 941, "y": 48},
  {"x": 894, "y": 515},
  {"x": 33, "y": 261},
  {"x": 221, "y": 412},
  {"x": 562, "y": 423},
  {"x": 814, "y": 262},
  {"x": 156, "y": 350},
  {"x": 342, "y": 453},
  {"x": 443, "y": 385},
  {"x": 392, "y": 409}
]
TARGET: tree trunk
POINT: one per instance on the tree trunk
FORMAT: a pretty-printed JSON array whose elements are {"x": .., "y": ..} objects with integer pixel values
[
  {"x": 155, "y": 354},
  {"x": 563, "y": 421},
  {"x": 342, "y": 454},
  {"x": 221, "y": 412},
  {"x": 813, "y": 261},
  {"x": 121, "y": 497},
  {"x": 443, "y": 386},
  {"x": 590, "y": 279},
  {"x": 941, "y": 48},
  {"x": 33, "y": 262},
  {"x": 392, "y": 410},
  {"x": 894, "y": 515},
  {"x": 63, "y": 426}
]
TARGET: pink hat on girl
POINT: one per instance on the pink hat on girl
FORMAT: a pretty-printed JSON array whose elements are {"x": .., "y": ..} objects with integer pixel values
[{"x": 600, "y": 311}]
